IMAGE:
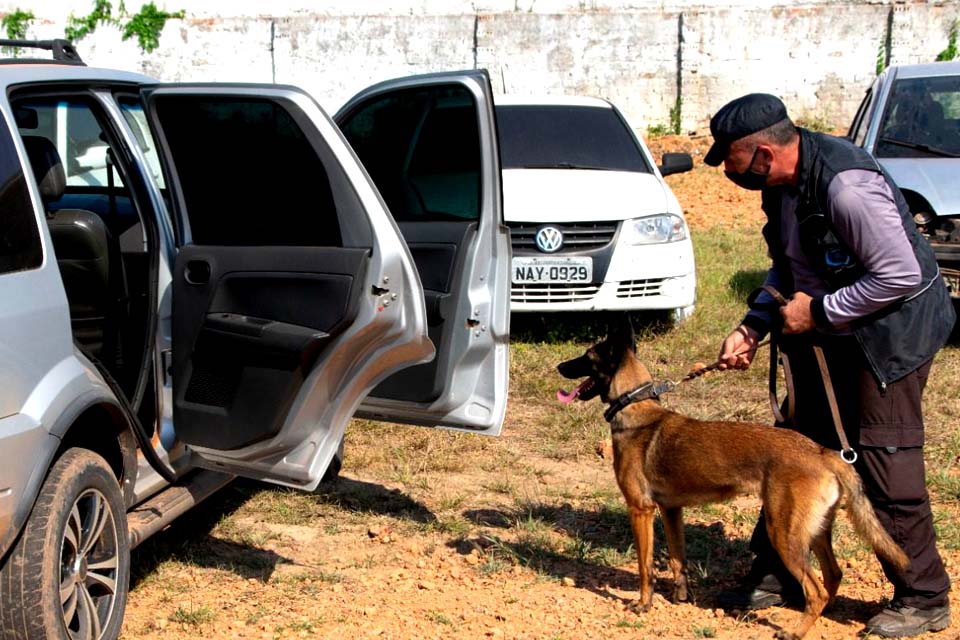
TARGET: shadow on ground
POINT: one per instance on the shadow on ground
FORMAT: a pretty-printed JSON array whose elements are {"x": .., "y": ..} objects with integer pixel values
[
  {"x": 189, "y": 540},
  {"x": 714, "y": 561},
  {"x": 581, "y": 326},
  {"x": 374, "y": 499}
]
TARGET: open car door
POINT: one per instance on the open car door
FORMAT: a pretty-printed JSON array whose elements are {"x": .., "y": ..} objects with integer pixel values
[
  {"x": 293, "y": 291},
  {"x": 430, "y": 145}
]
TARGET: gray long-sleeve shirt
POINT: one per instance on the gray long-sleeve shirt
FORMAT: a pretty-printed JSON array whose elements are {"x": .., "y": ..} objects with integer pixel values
[{"x": 864, "y": 215}]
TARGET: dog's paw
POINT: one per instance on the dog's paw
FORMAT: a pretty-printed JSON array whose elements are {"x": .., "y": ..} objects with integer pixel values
[
  {"x": 679, "y": 594},
  {"x": 638, "y": 606},
  {"x": 783, "y": 634}
]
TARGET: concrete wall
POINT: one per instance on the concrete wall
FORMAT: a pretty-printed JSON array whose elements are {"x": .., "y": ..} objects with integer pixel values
[{"x": 819, "y": 56}]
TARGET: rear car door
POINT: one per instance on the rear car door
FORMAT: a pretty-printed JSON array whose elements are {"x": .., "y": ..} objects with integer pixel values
[
  {"x": 429, "y": 143},
  {"x": 293, "y": 292}
]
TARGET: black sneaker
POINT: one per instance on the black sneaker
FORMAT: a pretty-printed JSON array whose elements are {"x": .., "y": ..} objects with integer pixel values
[
  {"x": 902, "y": 621},
  {"x": 753, "y": 594}
]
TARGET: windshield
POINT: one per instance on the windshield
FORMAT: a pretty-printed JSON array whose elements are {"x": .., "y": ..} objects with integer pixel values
[
  {"x": 922, "y": 119},
  {"x": 566, "y": 137}
]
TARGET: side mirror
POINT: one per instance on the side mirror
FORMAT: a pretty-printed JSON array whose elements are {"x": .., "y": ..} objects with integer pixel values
[{"x": 676, "y": 163}]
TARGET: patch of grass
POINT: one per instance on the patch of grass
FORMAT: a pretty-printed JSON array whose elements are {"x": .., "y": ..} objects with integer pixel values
[
  {"x": 624, "y": 623},
  {"x": 455, "y": 526},
  {"x": 948, "y": 528},
  {"x": 703, "y": 631},
  {"x": 501, "y": 485},
  {"x": 439, "y": 617},
  {"x": 194, "y": 616},
  {"x": 284, "y": 506}
]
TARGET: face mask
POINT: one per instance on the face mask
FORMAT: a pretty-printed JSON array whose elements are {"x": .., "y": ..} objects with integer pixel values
[{"x": 749, "y": 179}]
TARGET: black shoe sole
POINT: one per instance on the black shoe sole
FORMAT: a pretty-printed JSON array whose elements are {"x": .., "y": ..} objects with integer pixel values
[
  {"x": 937, "y": 624},
  {"x": 756, "y": 599}
]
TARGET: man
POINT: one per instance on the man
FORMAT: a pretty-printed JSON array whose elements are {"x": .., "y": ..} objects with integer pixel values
[{"x": 864, "y": 285}]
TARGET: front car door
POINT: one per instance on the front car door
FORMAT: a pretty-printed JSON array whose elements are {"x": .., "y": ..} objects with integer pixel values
[
  {"x": 293, "y": 292},
  {"x": 429, "y": 143}
]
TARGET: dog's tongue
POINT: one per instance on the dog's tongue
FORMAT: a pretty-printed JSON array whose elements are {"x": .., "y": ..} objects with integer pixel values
[{"x": 566, "y": 397}]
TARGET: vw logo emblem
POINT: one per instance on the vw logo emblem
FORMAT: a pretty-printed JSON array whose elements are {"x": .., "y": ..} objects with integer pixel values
[{"x": 549, "y": 239}]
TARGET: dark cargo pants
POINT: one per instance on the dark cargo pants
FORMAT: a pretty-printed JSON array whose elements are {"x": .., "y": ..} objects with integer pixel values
[{"x": 886, "y": 428}]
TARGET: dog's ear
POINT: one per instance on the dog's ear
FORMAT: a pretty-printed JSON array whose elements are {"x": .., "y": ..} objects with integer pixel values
[{"x": 622, "y": 335}]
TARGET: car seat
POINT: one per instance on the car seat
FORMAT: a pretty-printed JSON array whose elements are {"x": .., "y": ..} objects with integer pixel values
[{"x": 88, "y": 256}]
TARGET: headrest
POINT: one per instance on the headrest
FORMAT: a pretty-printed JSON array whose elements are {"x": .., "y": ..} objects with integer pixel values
[{"x": 47, "y": 167}]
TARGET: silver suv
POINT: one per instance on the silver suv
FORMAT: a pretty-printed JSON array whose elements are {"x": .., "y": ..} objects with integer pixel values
[{"x": 202, "y": 281}]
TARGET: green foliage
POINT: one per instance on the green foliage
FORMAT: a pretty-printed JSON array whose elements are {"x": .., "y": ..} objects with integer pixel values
[
  {"x": 79, "y": 27},
  {"x": 950, "y": 53},
  {"x": 145, "y": 25},
  {"x": 675, "y": 113},
  {"x": 881, "y": 57},
  {"x": 657, "y": 130},
  {"x": 15, "y": 24}
]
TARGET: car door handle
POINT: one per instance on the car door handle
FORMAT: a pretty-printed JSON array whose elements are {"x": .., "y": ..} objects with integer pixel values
[{"x": 197, "y": 272}]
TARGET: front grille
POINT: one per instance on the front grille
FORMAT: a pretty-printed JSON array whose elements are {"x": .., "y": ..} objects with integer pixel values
[
  {"x": 553, "y": 292},
  {"x": 576, "y": 237},
  {"x": 639, "y": 288}
]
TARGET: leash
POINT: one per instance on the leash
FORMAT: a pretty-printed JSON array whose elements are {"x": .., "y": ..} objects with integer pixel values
[
  {"x": 847, "y": 453},
  {"x": 655, "y": 390}
]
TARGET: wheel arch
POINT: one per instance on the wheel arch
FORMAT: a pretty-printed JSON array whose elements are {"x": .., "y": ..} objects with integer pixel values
[
  {"x": 102, "y": 427},
  {"x": 97, "y": 424},
  {"x": 917, "y": 202}
]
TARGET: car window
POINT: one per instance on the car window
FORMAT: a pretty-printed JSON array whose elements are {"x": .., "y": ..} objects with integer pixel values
[
  {"x": 72, "y": 128},
  {"x": 137, "y": 121},
  {"x": 858, "y": 130},
  {"x": 555, "y": 136},
  {"x": 421, "y": 148},
  {"x": 247, "y": 173},
  {"x": 922, "y": 119},
  {"x": 19, "y": 235}
]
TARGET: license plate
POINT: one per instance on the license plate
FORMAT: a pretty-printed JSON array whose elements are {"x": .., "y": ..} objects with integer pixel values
[{"x": 560, "y": 270}]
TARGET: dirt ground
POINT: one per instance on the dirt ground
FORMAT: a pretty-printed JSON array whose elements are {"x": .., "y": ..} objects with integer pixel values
[{"x": 376, "y": 556}]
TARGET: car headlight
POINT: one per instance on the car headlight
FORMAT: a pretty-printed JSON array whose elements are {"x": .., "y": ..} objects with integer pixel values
[{"x": 654, "y": 229}]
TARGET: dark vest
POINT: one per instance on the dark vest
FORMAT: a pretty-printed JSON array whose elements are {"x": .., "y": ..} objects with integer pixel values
[{"x": 903, "y": 335}]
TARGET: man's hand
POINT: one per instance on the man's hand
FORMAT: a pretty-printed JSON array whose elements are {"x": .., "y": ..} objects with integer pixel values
[
  {"x": 797, "y": 317},
  {"x": 739, "y": 348}
]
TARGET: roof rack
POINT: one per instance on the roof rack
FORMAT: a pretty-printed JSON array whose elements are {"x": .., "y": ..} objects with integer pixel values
[{"x": 63, "y": 50}]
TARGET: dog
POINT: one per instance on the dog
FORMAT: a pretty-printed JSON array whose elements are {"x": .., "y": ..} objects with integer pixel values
[{"x": 669, "y": 461}]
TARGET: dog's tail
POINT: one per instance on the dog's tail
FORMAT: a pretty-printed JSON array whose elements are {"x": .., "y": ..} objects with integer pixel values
[{"x": 863, "y": 517}]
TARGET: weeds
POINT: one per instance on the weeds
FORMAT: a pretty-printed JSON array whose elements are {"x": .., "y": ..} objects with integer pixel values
[{"x": 192, "y": 616}]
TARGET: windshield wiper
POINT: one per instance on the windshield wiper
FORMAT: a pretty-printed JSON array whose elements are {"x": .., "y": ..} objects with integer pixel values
[
  {"x": 920, "y": 147},
  {"x": 565, "y": 165}
]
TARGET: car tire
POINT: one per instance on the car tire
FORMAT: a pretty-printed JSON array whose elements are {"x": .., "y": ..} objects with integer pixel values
[
  {"x": 678, "y": 316},
  {"x": 67, "y": 576},
  {"x": 333, "y": 471}
]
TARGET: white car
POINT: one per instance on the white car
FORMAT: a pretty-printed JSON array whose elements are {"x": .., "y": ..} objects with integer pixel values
[{"x": 593, "y": 224}]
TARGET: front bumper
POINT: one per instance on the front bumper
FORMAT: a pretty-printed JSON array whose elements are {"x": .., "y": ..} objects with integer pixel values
[
  {"x": 639, "y": 278},
  {"x": 627, "y": 295}
]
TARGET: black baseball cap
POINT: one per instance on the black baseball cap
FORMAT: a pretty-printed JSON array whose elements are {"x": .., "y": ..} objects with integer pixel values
[{"x": 739, "y": 118}]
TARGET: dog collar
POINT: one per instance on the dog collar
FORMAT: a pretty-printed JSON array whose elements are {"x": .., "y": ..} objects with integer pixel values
[{"x": 643, "y": 392}]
